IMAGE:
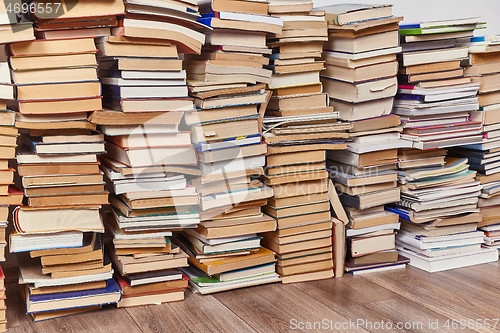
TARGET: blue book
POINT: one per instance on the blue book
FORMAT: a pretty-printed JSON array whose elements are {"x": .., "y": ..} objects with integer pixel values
[{"x": 74, "y": 299}]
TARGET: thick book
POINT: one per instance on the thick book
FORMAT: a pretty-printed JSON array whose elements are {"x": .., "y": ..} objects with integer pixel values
[
  {"x": 341, "y": 14},
  {"x": 74, "y": 299}
]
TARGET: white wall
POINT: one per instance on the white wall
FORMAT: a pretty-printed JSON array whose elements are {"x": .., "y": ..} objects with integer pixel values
[{"x": 428, "y": 10}]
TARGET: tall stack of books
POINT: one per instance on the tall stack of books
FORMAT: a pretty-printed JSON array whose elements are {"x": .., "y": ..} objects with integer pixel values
[
  {"x": 61, "y": 179},
  {"x": 483, "y": 67},
  {"x": 434, "y": 97},
  {"x": 150, "y": 160},
  {"x": 438, "y": 212},
  {"x": 299, "y": 126},
  {"x": 365, "y": 178},
  {"x": 360, "y": 78},
  {"x": 65, "y": 271},
  {"x": 360, "y": 56},
  {"x": 227, "y": 82}
]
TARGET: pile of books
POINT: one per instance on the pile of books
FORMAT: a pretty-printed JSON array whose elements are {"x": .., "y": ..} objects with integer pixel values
[
  {"x": 438, "y": 212},
  {"x": 360, "y": 77},
  {"x": 434, "y": 97},
  {"x": 360, "y": 56},
  {"x": 149, "y": 160},
  {"x": 299, "y": 127},
  {"x": 483, "y": 67},
  {"x": 227, "y": 82},
  {"x": 65, "y": 271}
]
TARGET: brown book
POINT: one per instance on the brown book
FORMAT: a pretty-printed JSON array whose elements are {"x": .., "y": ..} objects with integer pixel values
[
  {"x": 298, "y": 90},
  {"x": 305, "y": 228},
  {"x": 161, "y": 202},
  {"x": 293, "y": 102},
  {"x": 66, "y": 190},
  {"x": 262, "y": 256},
  {"x": 179, "y": 260},
  {"x": 300, "y": 188},
  {"x": 358, "y": 111},
  {"x": 296, "y": 177},
  {"x": 299, "y": 220},
  {"x": 299, "y": 112},
  {"x": 154, "y": 287},
  {"x": 52, "y": 180},
  {"x": 481, "y": 58},
  {"x": 37, "y": 107},
  {"x": 305, "y": 267},
  {"x": 73, "y": 258},
  {"x": 297, "y": 168},
  {"x": 283, "y": 240},
  {"x": 361, "y": 92},
  {"x": 236, "y": 227},
  {"x": 298, "y": 200},
  {"x": 372, "y": 199},
  {"x": 308, "y": 208},
  {"x": 312, "y": 276},
  {"x": 488, "y": 83},
  {"x": 140, "y": 64},
  {"x": 57, "y": 168},
  {"x": 489, "y": 98},
  {"x": 487, "y": 117},
  {"x": 295, "y": 158},
  {"x": 386, "y": 24},
  {"x": 305, "y": 259},
  {"x": 53, "y": 61},
  {"x": 302, "y": 253},
  {"x": 299, "y": 47},
  {"x": 61, "y": 75},
  {"x": 52, "y": 47},
  {"x": 430, "y": 68},
  {"x": 364, "y": 73},
  {"x": 67, "y": 288},
  {"x": 360, "y": 246},
  {"x": 375, "y": 258},
  {"x": 66, "y": 200},
  {"x": 373, "y": 220},
  {"x": 365, "y": 188},
  {"x": 110, "y": 117},
  {"x": 370, "y": 42},
  {"x": 67, "y": 274},
  {"x": 481, "y": 68},
  {"x": 412, "y": 78},
  {"x": 286, "y": 69},
  {"x": 59, "y": 90},
  {"x": 95, "y": 264},
  {"x": 107, "y": 49},
  {"x": 366, "y": 159},
  {"x": 297, "y": 246},
  {"x": 339, "y": 247}
]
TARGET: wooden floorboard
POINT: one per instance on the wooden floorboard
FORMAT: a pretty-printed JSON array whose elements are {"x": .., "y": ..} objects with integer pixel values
[
  {"x": 453, "y": 300},
  {"x": 408, "y": 297}
]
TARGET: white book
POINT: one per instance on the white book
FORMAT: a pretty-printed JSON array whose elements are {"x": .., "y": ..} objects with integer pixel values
[
  {"x": 141, "y": 82},
  {"x": 148, "y": 92},
  {"x": 379, "y": 269},
  {"x": 385, "y": 145},
  {"x": 146, "y": 75},
  {"x": 441, "y": 251},
  {"x": 144, "y": 130},
  {"x": 236, "y": 164},
  {"x": 443, "y": 263},
  {"x": 25, "y": 243},
  {"x": 228, "y": 144},
  {"x": 251, "y": 18},
  {"x": 357, "y": 232},
  {"x": 424, "y": 243}
]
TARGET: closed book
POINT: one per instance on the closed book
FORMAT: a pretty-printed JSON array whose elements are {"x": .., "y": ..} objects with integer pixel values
[
  {"x": 263, "y": 256},
  {"x": 361, "y": 92},
  {"x": 341, "y": 14},
  {"x": 366, "y": 245},
  {"x": 236, "y": 227},
  {"x": 110, "y": 294},
  {"x": 366, "y": 43}
]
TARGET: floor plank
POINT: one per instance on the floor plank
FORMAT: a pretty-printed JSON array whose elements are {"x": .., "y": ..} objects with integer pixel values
[
  {"x": 196, "y": 313},
  {"x": 281, "y": 308},
  {"x": 448, "y": 298},
  {"x": 485, "y": 277}
]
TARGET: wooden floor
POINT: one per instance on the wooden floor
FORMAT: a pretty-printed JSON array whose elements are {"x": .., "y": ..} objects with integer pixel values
[{"x": 410, "y": 298}]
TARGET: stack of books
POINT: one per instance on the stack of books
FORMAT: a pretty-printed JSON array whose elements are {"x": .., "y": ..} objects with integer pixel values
[
  {"x": 365, "y": 178},
  {"x": 295, "y": 168},
  {"x": 146, "y": 263},
  {"x": 438, "y": 213},
  {"x": 3, "y": 308},
  {"x": 71, "y": 19},
  {"x": 60, "y": 223},
  {"x": 434, "y": 97},
  {"x": 227, "y": 82},
  {"x": 483, "y": 67},
  {"x": 227, "y": 254},
  {"x": 360, "y": 56},
  {"x": 149, "y": 159},
  {"x": 299, "y": 126}
]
